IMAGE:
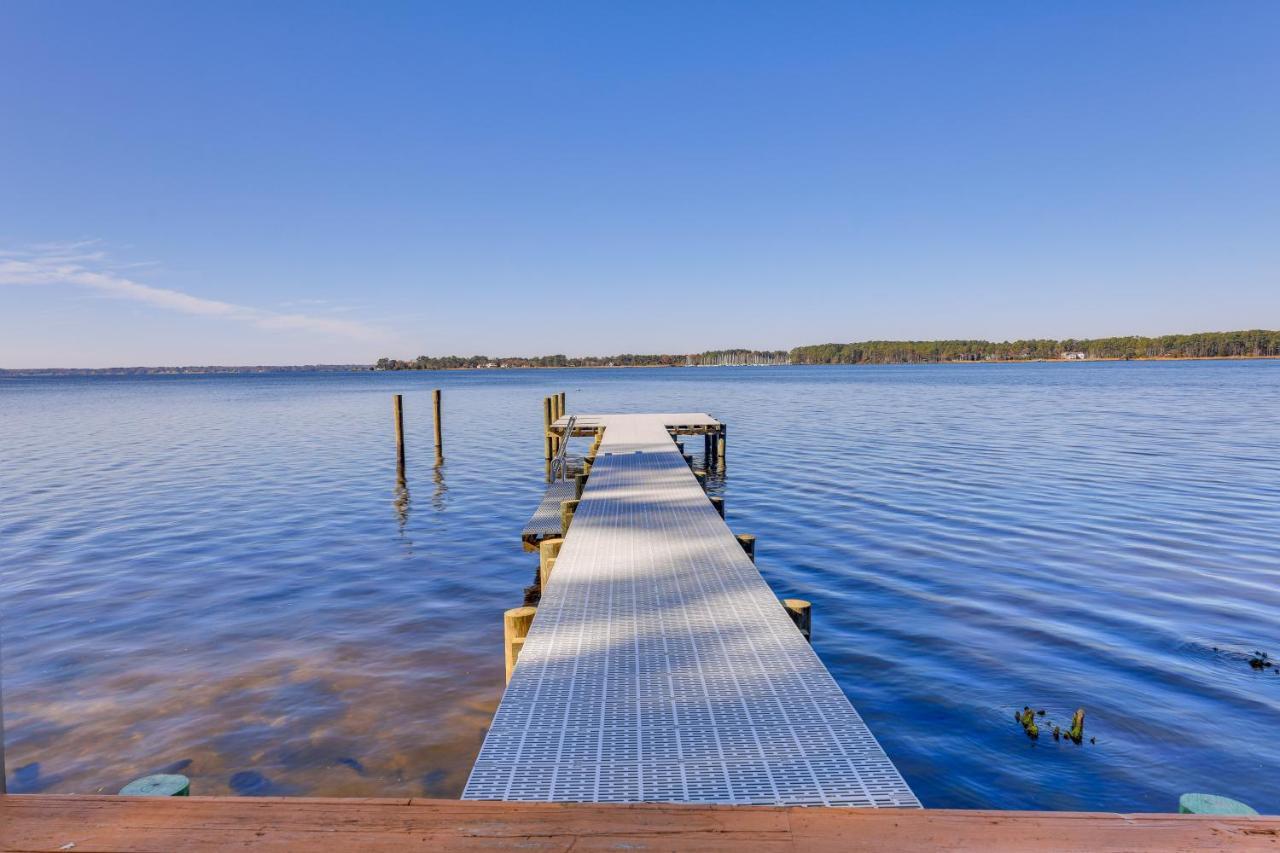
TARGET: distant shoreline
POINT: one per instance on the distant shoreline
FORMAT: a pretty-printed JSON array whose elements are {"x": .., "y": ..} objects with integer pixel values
[{"x": 54, "y": 372}]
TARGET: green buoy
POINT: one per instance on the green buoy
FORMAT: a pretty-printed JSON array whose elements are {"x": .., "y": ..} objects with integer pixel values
[
  {"x": 159, "y": 785},
  {"x": 1212, "y": 804}
]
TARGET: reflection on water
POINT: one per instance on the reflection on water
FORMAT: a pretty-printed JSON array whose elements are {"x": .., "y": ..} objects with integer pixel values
[
  {"x": 437, "y": 477},
  {"x": 200, "y": 573},
  {"x": 401, "y": 501}
]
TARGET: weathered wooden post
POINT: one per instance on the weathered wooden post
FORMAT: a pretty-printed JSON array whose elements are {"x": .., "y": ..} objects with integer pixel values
[
  {"x": 435, "y": 413},
  {"x": 548, "y": 550},
  {"x": 397, "y": 406},
  {"x": 515, "y": 627},
  {"x": 701, "y": 477},
  {"x": 547, "y": 451},
  {"x": 579, "y": 483},
  {"x": 748, "y": 543},
  {"x": 556, "y": 413},
  {"x": 718, "y": 503},
  {"x": 567, "y": 509},
  {"x": 801, "y": 613},
  {"x": 721, "y": 440},
  {"x": 564, "y": 403}
]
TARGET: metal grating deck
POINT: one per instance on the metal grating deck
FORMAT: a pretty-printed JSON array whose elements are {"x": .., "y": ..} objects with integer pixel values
[
  {"x": 660, "y": 666},
  {"x": 545, "y": 521}
]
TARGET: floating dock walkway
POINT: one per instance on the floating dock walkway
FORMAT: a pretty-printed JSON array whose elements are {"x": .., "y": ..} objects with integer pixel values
[{"x": 660, "y": 667}]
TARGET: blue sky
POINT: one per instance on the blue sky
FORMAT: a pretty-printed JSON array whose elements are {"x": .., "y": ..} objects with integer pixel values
[{"x": 241, "y": 183}]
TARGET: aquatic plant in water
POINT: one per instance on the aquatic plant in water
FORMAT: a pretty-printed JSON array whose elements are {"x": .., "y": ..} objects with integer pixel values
[{"x": 1074, "y": 733}]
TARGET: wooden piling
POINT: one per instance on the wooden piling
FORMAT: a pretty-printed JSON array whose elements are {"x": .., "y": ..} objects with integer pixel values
[
  {"x": 564, "y": 403},
  {"x": 548, "y": 550},
  {"x": 579, "y": 483},
  {"x": 701, "y": 477},
  {"x": 547, "y": 451},
  {"x": 567, "y": 509},
  {"x": 801, "y": 613},
  {"x": 515, "y": 627},
  {"x": 721, "y": 440},
  {"x": 555, "y": 416},
  {"x": 435, "y": 414},
  {"x": 748, "y": 543},
  {"x": 718, "y": 503},
  {"x": 397, "y": 406}
]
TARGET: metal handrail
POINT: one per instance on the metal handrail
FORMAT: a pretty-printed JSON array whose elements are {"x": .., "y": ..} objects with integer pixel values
[{"x": 559, "y": 466}]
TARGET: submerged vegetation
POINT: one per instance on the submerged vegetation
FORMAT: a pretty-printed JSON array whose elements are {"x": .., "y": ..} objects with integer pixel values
[{"x": 1073, "y": 733}]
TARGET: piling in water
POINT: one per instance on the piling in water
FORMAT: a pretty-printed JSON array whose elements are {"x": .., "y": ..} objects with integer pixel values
[
  {"x": 567, "y": 509},
  {"x": 435, "y": 414},
  {"x": 548, "y": 550},
  {"x": 547, "y": 451},
  {"x": 801, "y": 613},
  {"x": 397, "y": 408},
  {"x": 515, "y": 627}
]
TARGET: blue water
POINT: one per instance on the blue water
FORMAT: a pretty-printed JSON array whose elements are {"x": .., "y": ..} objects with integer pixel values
[{"x": 221, "y": 576}]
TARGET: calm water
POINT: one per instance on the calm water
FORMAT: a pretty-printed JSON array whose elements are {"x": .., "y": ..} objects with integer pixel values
[{"x": 220, "y": 574}]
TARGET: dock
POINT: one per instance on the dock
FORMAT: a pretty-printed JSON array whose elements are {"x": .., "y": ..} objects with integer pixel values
[{"x": 660, "y": 666}]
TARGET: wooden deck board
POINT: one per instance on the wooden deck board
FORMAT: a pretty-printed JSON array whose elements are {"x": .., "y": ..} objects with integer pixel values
[{"x": 144, "y": 824}]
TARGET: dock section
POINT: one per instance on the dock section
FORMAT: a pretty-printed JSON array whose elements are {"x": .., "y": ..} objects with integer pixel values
[
  {"x": 104, "y": 824},
  {"x": 660, "y": 667}
]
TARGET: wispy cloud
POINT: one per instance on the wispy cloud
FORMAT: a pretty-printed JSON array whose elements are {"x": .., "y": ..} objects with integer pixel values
[{"x": 85, "y": 263}]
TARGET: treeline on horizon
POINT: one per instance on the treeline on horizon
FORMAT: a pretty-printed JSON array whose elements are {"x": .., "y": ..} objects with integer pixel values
[
  {"x": 453, "y": 362},
  {"x": 1244, "y": 344},
  {"x": 1255, "y": 343}
]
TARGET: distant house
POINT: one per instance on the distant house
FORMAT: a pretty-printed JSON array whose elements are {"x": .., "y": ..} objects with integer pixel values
[{"x": 1074, "y": 356}]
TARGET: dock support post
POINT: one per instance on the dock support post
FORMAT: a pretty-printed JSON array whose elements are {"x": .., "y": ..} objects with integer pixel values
[
  {"x": 515, "y": 627},
  {"x": 721, "y": 440},
  {"x": 701, "y": 477},
  {"x": 397, "y": 406},
  {"x": 548, "y": 550},
  {"x": 748, "y": 543},
  {"x": 801, "y": 613},
  {"x": 556, "y": 413},
  {"x": 718, "y": 503},
  {"x": 579, "y": 483},
  {"x": 547, "y": 451},
  {"x": 435, "y": 412},
  {"x": 567, "y": 509},
  {"x": 564, "y": 403}
]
